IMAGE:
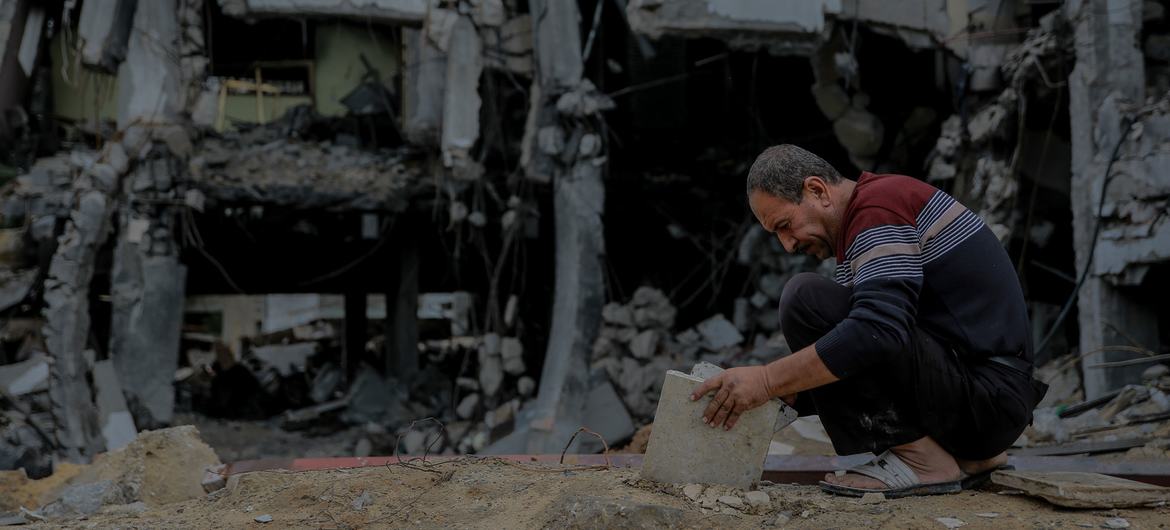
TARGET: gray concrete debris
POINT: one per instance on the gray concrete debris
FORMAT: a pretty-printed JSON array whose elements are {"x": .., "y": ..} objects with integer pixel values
[
  {"x": 772, "y": 285},
  {"x": 467, "y": 406},
  {"x": 380, "y": 11},
  {"x": 645, "y": 344},
  {"x": 363, "y": 448},
  {"x": 617, "y": 314},
  {"x": 326, "y": 384},
  {"x": 693, "y": 491},
  {"x": 103, "y": 29},
  {"x": 950, "y": 522},
  {"x": 512, "y": 354},
  {"x": 266, "y": 518},
  {"x": 684, "y": 450},
  {"x": 1083, "y": 490},
  {"x": 525, "y": 386},
  {"x": 424, "y": 86},
  {"x": 460, "y": 129},
  {"x": 491, "y": 372},
  {"x": 740, "y": 315},
  {"x": 25, "y": 377},
  {"x": 374, "y": 399},
  {"x": 413, "y": 442},
  {"x": 150, "y": 81},
  {"x": 117, "y": 425},
  {"x": 718, "y": 333},
  {"x": 732, "y": 501},
  {"x": 87, "y": 498},
  {"x": 606, "y": 415},
  {"x": 757, "y": 498}
]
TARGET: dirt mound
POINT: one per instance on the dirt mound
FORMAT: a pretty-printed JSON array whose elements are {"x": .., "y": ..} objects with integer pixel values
[
  {"x": 158, "y": 468},
  {"x": 492, "y": 493}
]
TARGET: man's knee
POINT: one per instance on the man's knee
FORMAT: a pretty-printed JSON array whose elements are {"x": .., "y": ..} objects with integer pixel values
[{"x": 801, "y": 292}]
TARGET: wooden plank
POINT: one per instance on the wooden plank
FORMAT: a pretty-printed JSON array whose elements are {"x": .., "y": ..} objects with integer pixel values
[
  {"x": 1080, "y": 448},
  {"x": 1083, "y": 490}
]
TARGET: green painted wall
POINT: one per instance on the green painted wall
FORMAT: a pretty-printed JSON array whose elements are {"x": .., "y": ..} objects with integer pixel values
[
  {"x": 339, "y": 65},
  {"x": 87, "y": 94},
  {"x": 339, "y": 69}
]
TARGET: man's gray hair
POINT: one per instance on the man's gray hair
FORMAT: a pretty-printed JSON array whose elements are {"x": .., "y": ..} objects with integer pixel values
[{"x": 781, "y": 169}]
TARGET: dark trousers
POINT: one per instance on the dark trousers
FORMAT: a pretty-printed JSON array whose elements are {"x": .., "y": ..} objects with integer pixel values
[{"x": 973, "y": 408}]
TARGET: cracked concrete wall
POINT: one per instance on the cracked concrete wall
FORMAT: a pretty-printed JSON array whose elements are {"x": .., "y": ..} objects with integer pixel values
[
  {"x": 749, "y": 24},
  {"x": 1106, "y": 85},
  {"x": 565, "y": 106}
]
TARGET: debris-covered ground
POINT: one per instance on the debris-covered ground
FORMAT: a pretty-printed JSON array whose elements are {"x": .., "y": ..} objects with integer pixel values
[{"x": 491, "y": 493}]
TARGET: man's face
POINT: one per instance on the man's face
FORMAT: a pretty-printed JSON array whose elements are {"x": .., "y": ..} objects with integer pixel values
[{"x": 799, "y": 227}]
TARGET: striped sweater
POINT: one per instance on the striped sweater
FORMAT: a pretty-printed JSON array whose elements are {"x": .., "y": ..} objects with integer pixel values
[{"x": 914, "y": 257}]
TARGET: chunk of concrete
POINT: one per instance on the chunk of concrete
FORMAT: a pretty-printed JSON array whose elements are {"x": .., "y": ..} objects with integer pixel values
[
  {"x": 683, "y": 450},
  {"x": 24, "y": 377},
  {"x": 102, "y": 30},
  {"x": 606, "y": 415},
  {"x": 718, "y": 333},
  {"x": 512, "y": 354},
  {"x": 114, "y": 417},
  {"x": 1082, "y": 490},
  {"x": 645, "y": 344}
]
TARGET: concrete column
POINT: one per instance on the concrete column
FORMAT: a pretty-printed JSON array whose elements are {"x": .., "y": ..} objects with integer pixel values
[
  {"x": 1109, "y": 71},
  {"x": 147, "y": 289},
  {"x": 578, "y": 203},
  {"x": 148, "y": 282},
  {"x": 102, "y": 30}
]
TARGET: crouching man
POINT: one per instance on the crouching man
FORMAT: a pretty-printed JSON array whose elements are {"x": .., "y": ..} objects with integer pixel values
[{"x": 918, "y": 351}]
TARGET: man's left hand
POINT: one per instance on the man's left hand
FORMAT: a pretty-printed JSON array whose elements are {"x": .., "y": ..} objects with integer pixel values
[{"x": 737, "y": 390}]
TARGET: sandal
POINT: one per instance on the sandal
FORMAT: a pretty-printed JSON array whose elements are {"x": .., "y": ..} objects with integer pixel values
[{"x": 893, "y": 472}]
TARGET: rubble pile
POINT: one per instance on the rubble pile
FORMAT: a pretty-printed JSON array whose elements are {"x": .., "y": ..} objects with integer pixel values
[
  {"x": 267, "y": 164},
  {"x": 158, "y": 468},
  {"x": 466, "y": 395},
  {"x": 638, "y": 344},
  {"x": 1135, "y": 418}
]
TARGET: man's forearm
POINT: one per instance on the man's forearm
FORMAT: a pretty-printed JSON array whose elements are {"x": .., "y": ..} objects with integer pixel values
[{"x": 798, "y": 372}]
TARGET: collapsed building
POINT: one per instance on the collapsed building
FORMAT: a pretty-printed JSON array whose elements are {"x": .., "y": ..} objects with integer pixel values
[{"x": 511, "y": 217}]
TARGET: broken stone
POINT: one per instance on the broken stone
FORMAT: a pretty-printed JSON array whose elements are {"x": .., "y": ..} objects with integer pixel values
[
  {"x": 1083, "y": 490},
  {"x": 693, "y": 491},
  {"x": 414, "y": 442},
  {"x": 491, "y": 373},
  {"x": 467, "y": 406},
  {"x": 950, "y": 522},
  {"x": 718, "y": 333},
  {"x": 645, "y": 344},
  {"x": 32, "y": 375},
  {"x": 363, "y": 448},
  {"x": 757, "y": 498},
  {"x": 732, "y": 501},
  {"x": 1116, "y": 522},
  {"x": 605, "y": 414},
  {"x": 682, "y": 449},
  {"x": 986, "y": 515},
  {"x": 617, "y": 314},
  {"x": 263, "y": 518},
  {"x": 758, "y": 300},
  {"x": 525, "y": 386},
  {"x": 512, "y": 354},
  {"x": 114, "y": 418},
  {"x": 660, "y": 316}
]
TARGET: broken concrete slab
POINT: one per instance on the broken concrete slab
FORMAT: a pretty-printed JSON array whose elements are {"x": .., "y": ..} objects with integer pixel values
[
  {"x": 150, "y": 81},
  {"x": 683, "y": 450},
  {"x": 606, "y": 415},
  {"x": 645, "y": 344},
  {"x": 103, "y": 29},
  {"x": 380, "y": 11},
  {"x": 424, "y": 83},
  {"x": 512, "y": 355},
  {"x": 114, "y": 418},
  {"x": 461, "y": 100},
  {"x": 1083, "y": 490},
  {"x": 718, "y": 333},
  {"x": 25, "y": 377}
]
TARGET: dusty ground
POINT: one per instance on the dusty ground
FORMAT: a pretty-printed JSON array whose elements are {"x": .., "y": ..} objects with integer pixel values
[{"x": 474, "y": 493}]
